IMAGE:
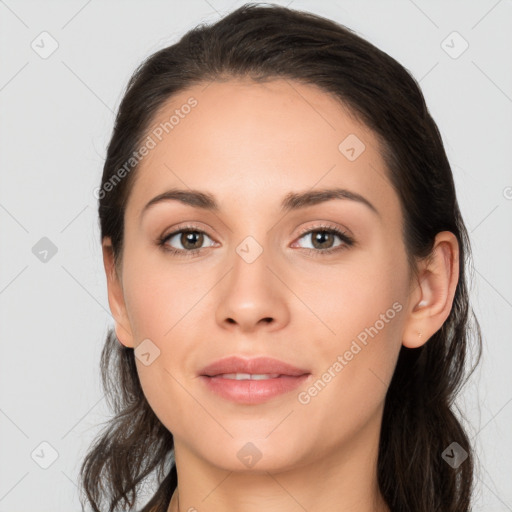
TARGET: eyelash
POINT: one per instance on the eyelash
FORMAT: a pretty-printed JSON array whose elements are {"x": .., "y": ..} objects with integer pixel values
[{"x": 347, "y": 240}]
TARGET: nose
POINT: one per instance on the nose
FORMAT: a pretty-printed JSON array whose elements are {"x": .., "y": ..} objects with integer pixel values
[{"x": 253, "y": 296}]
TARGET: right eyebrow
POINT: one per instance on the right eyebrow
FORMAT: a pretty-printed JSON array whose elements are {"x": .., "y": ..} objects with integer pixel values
[{"x": 194, "y": 198}]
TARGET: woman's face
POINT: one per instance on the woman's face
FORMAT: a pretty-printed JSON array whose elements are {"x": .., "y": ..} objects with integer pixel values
[{"x": 267, "y": 281}]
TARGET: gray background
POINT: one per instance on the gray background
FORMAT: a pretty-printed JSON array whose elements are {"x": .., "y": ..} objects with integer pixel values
[{"x": 56, "y": 115}]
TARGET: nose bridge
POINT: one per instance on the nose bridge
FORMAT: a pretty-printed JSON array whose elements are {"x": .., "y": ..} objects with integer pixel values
[
  {"x": 250, "y": 277},
  {"x": 251, "y": 293}
]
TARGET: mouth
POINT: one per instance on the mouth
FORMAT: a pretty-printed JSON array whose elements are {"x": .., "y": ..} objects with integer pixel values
[
  {"x": 258, "y": 368},
  {"x": 251, "y": 381},
  {"x": 252, "y": 389},
  {"x": 247, "y": 376}
]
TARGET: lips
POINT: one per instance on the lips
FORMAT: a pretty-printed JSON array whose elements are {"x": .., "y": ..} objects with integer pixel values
[
  {"x": 252, "y": 381},
  {"x": 254, "y": 366},
  {"x": 253, "y": 392}
]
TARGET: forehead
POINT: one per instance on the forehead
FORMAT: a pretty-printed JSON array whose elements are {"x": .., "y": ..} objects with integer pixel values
[{"x": 259, "y": 140}]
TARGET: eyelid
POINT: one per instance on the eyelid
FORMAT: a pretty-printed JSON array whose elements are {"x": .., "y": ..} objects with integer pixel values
[
  {"x": 325, "y": 225},
  {"x": 188, "y": 227}
]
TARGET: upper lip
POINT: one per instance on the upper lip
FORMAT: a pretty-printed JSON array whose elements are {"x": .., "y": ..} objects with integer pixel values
[{"x": 256, "y": 365}]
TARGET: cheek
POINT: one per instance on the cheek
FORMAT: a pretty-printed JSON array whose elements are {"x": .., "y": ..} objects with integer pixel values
[
  {"x": 158, "y": 296},
  {"x": 344, "y": 300},
  {"x": 158, "y": 301},
  {"x": 358, "y": 331},
  {"x": 358, "y": 364}
]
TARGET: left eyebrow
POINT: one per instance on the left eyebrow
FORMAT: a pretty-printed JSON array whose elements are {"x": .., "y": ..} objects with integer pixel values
[
  {"x": 292, "y": 201},
  {"x": 295, "y": 201}
]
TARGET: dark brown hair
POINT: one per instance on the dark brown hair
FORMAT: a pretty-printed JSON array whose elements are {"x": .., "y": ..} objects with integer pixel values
[{"x": 265, "y": 42}]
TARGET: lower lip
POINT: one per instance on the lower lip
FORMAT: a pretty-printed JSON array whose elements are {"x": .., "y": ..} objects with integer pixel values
[{"x": 252, "y": 391}]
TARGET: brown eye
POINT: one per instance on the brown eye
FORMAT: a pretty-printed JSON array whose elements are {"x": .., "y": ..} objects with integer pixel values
[
  {"x": 322, "y": 239},
  {"x": 185, "y": 240},
  {"x": 191, "y": 239}
]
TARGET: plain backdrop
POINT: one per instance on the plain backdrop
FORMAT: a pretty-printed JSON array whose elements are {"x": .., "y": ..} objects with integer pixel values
[{"x": 63, "y": 68}]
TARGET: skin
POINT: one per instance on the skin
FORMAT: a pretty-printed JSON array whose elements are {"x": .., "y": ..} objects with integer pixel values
[{"x": 249, "y": 145}]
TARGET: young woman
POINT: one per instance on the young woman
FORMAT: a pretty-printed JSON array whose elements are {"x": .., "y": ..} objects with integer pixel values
[{"x": 285, "y": 261}]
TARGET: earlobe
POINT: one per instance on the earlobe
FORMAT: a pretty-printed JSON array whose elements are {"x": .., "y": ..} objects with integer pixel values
[
  {"x": 435, "y": 292},
  {"x": 115, "y": 296}
]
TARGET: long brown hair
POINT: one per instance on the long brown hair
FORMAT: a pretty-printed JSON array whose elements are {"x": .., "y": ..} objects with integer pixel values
[{"x": 266, "y": 42}]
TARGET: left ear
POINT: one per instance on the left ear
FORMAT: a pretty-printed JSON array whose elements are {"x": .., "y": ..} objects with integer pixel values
[{"x": 433, "y": 297}]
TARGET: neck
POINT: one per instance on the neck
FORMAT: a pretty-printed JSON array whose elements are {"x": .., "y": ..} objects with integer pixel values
[{"x": 341, "y": 479}]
